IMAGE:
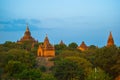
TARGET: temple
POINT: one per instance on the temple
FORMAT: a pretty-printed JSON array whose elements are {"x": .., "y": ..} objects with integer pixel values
[
  {"x": 110, "y": 41},
  {"x": 61, "y": 43},
  {"x": 46, "y": 49},
  {"x": 27, "y": 37},
  {"x": 83, "y": 46}
]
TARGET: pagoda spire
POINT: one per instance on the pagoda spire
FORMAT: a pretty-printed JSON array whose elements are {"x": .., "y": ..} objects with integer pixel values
[
  {"x": 46, "y": 40},
  {"x": 27, "y": 36},
  {"x": 110, "y": 41},
  {"x": 61, "y": 42},
  {"x": 27, "y": 27}
]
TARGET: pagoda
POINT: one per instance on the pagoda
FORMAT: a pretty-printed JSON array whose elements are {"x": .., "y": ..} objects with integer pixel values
[
  {"x": 110, "y": 41},
  {"x": 83, "y": 46},
  {"x": 61, "y": 43},
  {"x": 46, "y": 49},
  {"x": 27, "y": 37}
]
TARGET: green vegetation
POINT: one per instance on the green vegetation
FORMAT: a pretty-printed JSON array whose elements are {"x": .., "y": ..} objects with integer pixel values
[{"x": 18, "y": 62}]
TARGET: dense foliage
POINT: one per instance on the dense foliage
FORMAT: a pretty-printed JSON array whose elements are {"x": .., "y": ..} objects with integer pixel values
[{"x": 18, "y": 62}]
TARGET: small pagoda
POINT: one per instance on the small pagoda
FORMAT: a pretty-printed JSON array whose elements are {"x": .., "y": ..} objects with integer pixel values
[
  {"x": 83, "y": 46},
  {"x": 61, "y": 43},
  {"x": 46, "y": 49}
]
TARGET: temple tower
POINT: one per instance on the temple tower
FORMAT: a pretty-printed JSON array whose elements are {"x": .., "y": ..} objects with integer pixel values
[
  {"x": 46, "y": 49},
  {"x": 27, "y": 37},
  {"x": 110, "y": 41},
  {"x": 83, "y": 46},
  {"x": 61, "y": 43}
]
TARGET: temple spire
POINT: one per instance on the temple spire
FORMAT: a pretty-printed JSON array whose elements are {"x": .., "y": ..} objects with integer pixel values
[
  {"x": 27, "y": 36},
  {"x": 61, "y": 43},
  {"x": 46, "y": 40},
  {"x": 110, "y": 41},
  {"x": 27, "y": 27}
]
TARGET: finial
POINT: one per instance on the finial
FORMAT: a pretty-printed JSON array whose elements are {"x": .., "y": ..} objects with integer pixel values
[
  {"x": 110, "y": 32},
  {"x": 83, "y": 42},
  {"x": 27, "y": 29}
]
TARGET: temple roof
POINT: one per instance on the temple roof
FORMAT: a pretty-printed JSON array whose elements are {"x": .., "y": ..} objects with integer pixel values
[
  {"x": 27, "y": 36},
  {"x": 110, "y": 41},
  {"x": 61, "y": 43},
  {"x": 46, "y": 40},
  {"x": 83, "y": 45},
  {"x": 46, "y": 44}
]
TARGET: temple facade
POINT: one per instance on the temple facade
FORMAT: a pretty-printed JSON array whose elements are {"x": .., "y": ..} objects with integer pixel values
[
  {"x": 46, "y": 49},
  {"x": 83, "y": 46},
  {"x": 27, "y": 37},
  {"x": 110, "y": 41}
]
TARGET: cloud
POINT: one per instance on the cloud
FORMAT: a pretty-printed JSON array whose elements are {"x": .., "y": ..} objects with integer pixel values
[{"x": 19, "y": 24}]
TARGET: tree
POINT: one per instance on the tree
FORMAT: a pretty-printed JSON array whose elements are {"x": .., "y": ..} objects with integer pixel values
[
  {"x": 92, "y": 47},
  {"x": 73, "y": 45},
  {"x": 107, "y": 58},
  {"x": 97, "y": 74},
  {"x": 14, "y": 68},
  {"x": 1, "y": 71},
  {"x": 59, "y": 48},
  {"x": 46, "y": 76},
  {"x": 71, "y": 68},
  {"x": 68, "y": 53},
  {"x": 22, "y": 56},
  {"x": 31, "y": 74}
]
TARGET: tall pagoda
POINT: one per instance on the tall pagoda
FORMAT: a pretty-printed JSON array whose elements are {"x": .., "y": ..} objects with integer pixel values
[
  {"x": 27, "y": 37},
  {"x": 110, "y": 41}
]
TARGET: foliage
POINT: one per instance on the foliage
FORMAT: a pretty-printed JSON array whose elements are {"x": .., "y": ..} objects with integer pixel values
[
  {"x": 98, "y": 74},
  {"x": 67, "y": 53},
  {"x": 73, "y": 45},
  {"x": 14, "y": 61},
  {"x": 31, "y": 74},
  {"x": 14, "y": 68},
  {"x": 107, "y": 58},
  {"x": 71, "y": 68},
  {"x": 60, "y": 47},
  {"x": 46, "y": 76},
  {"x": 18, "y": 61},
  {"x": 43, "y": 68}
]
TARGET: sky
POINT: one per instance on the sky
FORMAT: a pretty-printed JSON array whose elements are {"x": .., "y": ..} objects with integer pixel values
[{"x": 69, "y": 20}]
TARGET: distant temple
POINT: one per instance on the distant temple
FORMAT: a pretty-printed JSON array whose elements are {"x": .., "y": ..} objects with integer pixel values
[
  {"x": 83, "y": 46},
  {"x": 27, "y": 37},
  {"x": 46, "y": 49},
  {"x": 61, "y": 43},
  {"x": 110, "y": 41}
]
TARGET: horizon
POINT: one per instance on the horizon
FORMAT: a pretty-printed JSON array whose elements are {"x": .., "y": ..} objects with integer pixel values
[{"x": 70, "y": 21}]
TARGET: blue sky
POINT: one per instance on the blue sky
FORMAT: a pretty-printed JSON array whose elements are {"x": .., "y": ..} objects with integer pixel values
[{"x": 67, "y": 20}]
